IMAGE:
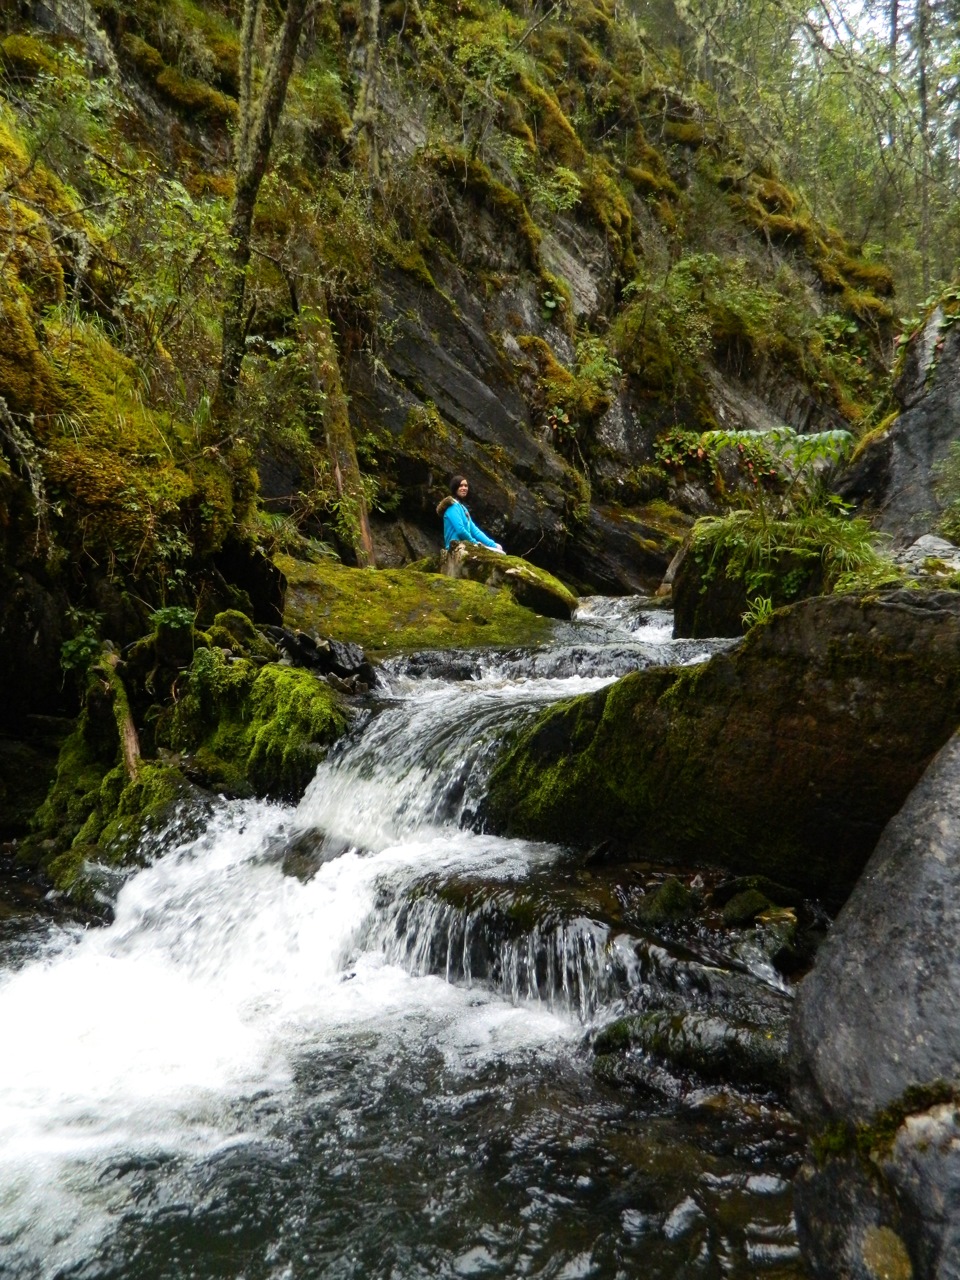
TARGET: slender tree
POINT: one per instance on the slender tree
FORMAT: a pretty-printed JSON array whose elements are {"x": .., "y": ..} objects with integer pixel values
[{"x": 258, "y": 119}]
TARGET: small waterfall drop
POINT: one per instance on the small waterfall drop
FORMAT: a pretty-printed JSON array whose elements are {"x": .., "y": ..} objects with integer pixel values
[{"x": 332, "y": 1039}]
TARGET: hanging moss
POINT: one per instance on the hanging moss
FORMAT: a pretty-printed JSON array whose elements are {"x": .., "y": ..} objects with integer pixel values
[
  {"x": 23, "y": 58},
  {"x": 187, "y": 94},
  {"x": 554, "y": 132},
  {"x": 602, "y": 197},
  {"x": 474, "y": 177},
  {"x": 686, "y": 133}
]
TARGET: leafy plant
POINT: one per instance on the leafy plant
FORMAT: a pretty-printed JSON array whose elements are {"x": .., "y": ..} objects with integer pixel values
[
  {"x": 759, "y": 612},
  {"x": 781, "y": 555},
  {"x": 172, "y": 617}
]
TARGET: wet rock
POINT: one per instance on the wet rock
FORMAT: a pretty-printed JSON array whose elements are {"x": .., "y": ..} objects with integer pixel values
[
  {"x": 671, "y": 901},
  {"x": 707, "y": 1045},
  {"x": 875, "y": 1056},
  {"x": 929, "y": 556},
  {"x": 895, "y": 474},
  {"x": 345, "y": 661},
  {"x": 784, "y": 757},
  {"x": 617, "y": 552}
]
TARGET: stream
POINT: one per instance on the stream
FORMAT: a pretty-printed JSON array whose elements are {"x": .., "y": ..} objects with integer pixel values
[{"x": 353, "y": 1037}]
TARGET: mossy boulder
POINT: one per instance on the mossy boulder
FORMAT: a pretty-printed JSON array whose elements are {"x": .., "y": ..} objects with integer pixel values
[
  {"x": 246, "y": 729},
  {"x": 392, "y": 610},
  {"x": 530, "y": 586},
  {"x": 784, "y": 757}
]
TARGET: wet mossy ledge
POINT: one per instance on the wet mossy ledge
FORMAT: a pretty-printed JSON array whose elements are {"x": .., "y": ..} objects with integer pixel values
[
  {"x": 784, "y": 757},
  {"x": 139, "y": 765},
  {"x": 398, "y": 610}
]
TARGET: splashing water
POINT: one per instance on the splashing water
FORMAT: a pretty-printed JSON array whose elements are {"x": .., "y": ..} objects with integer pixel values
[{"x": 253, "y": 1074}]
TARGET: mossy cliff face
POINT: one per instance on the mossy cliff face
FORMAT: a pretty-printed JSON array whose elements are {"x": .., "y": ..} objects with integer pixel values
[{"x": 784, "y": 757}]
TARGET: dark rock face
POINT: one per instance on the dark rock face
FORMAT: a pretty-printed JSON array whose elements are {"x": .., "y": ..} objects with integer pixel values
[
  {"x": 895, "y": 476},
  {"x": 875, "y": 1045},
  {"x": 618, "y": 554},
  {"x": 520, "y": 488},
  {"x": 785, "y": 756},
  {"x": 31, "y": 632}
]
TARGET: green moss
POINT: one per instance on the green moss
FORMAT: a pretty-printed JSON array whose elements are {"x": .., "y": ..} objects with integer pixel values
[
  {"x": 672, "y": 901},
  {"x": 23, "y": 57},
  {"x": 554, "y": 132},
  {"x": 234, "y": 630},
  {"x": 245, "y": 727},
  {"x": 870, "y": 276},
  {"x": 393, "y": 610},
  {"x": 601, "y": 196},
  {"x": 474, "y": 177},
  {"x": 649, "y": 183},
  {"x": 866, "y": 306},
  {"x": 745, "y": 907},
  {"x": 874, "y": 1139},
  {"x": 686, "y": 133},
  {"x": 408, "y": 257},
  {"x": 192, "y": 96},
  {"x": 775, "y": 197}
]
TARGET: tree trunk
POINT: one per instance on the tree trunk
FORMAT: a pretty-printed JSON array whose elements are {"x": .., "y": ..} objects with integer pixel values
[
  {"x": 258, "y": 121},
  {"x": 363, "y": 129},
  {"x": 922, "y": 29},
  {"x": 319, "y": 343},
  {"x": 106, "y": 668}
]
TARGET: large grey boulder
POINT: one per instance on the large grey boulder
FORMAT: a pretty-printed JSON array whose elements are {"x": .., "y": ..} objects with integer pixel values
[
  {"x": 875, "y": 1055},
  {"x": 783, "y": 757},
  {"x": 896, "y": 474}
]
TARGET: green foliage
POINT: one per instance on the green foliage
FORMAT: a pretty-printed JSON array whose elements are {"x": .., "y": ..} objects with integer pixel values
[
  {"x": 760, "y": 552},
  {"x": 172, "y": 618},
  {"x": 759, "y": 613},
  {"x": 79, "y": 651}
]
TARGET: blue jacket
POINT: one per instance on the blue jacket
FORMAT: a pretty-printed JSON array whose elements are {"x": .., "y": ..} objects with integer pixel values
[{"x": 458, "y": 527}]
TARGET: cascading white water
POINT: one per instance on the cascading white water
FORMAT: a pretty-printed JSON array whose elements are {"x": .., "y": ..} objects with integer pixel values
[{"x": 215, "y": 1013}]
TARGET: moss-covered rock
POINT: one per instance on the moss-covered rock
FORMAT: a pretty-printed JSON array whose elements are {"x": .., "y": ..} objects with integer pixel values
[
  {"x": 706, "y": 1045},
  {"x": 530, "y": 586},
  {"x": 784, "y": 757},
  {"x": 246, "y": 729},
  {"x": 392, "y": 610}
]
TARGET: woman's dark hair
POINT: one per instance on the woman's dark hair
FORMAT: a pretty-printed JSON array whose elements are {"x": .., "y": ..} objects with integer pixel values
[{"x": 456, "y": 482}]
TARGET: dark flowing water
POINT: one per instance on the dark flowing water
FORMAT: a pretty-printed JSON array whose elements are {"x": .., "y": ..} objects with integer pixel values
[{"x": 289, "y": 1056}]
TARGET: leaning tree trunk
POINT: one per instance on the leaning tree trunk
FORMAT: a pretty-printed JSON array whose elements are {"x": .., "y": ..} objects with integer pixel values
[
  {"x": 364, "y": 126},
  {"x": 321, "y": 349},
  {"x": 259, "y": 117}
]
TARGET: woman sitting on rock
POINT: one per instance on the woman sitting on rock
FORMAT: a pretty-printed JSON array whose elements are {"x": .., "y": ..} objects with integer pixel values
[{"x": 457, "y": 525}]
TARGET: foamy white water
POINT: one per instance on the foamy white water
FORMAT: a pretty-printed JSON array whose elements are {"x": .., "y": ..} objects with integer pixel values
[
  {"x": 232, "y": 1010},
  {"x": 219, "y": 970}
]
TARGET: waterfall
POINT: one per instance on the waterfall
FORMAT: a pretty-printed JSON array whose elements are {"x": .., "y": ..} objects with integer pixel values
[{"x": 336, "y": 1039}]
